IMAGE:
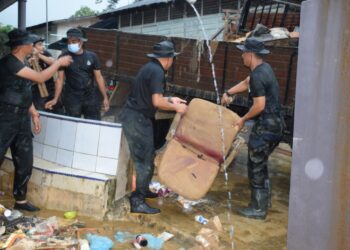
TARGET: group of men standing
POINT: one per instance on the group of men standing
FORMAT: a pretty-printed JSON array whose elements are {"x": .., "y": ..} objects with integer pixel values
[
  {"x": 79, "y": 70},
  {"x": 20, "y": 96},
  {"x": 82, "y": 80}
]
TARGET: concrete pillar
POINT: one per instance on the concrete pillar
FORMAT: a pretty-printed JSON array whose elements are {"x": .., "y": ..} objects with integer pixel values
[
  {"x": 319, "y": 207},
  {"x": 22, "y": 14}
]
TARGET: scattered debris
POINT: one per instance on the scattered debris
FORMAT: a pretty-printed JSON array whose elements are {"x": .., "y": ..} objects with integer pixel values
[
  {"x": 122, "y": 237},
  {"x": 11, "y": 239},
  {"x": 187, "y": 204},
  {"x": 99, "y": 242},
  {"x": 201, "y": 219},
  {"x": 165, "y": 236},
  {"x": 46, "y": 227},
  {"x": 84, "y": 245},
  {"x": 208, "y": 237},
  {"x": 215, "y": 224},
  {"x": 70, "y": 215},
  {"x": 18, "y": 232},
  {"x": 160, "y": 189},
  {"x": 154, "y": 243},
  {"x": 23, "y": 244},
  {"x": 2, "y": 230},
  {"x": 139, "y": 240},
  {"x": 201, "y": 240}
]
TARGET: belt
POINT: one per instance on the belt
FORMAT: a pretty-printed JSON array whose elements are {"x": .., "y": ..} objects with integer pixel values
[{"x": 13, "y": 109}]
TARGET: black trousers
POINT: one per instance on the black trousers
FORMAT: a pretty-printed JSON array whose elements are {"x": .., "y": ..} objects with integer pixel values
[
  {"x": 84, "y": 104},
  {"x": 88, "y": 111},
  {"x": 138, "y": 130},
  {"x": 15, "y": 133}
]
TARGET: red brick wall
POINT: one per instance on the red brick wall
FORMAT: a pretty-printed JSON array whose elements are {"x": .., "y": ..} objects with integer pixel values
[
  {"x": 127, "y": 52},
  {"x": 103, "y": 43}
]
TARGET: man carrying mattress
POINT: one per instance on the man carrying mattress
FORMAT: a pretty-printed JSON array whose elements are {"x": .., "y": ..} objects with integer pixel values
[
  {"x": 267, "y": 131},
  {"x": 137, "y": 118}
]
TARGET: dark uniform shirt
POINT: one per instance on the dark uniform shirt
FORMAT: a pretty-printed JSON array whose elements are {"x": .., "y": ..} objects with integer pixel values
[
  {"x": 263, "y": 82},
  {"x": 80, "y": 81},
  {"x": 149, "y": 80},
  {"x": 50, "y": 84},
  {"x": 14, "y": 90}
]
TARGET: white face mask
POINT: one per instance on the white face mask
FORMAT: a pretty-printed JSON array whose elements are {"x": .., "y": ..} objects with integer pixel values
[{"x": 73, "y": 47}]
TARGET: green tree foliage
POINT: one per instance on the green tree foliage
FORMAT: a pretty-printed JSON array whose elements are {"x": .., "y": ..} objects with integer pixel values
[
  {"x": 4, "y": 29},
  {"x": 112, "y": 4},
  {"x": 84, "y": 11}
]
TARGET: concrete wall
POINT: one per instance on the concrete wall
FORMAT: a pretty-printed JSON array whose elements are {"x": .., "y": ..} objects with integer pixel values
[
  {"x": 319, "y": 206},
  {"x": 60, "y": 191}
]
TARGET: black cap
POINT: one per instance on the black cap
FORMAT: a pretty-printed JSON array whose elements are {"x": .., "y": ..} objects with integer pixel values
[
  {"x": 163, "y": 49},
  {"x": 37, "y": 38},
  {"x": 76, "y": 33},
  {"x": 18, "y": 37},
  {"x": 253, "y": 45}
]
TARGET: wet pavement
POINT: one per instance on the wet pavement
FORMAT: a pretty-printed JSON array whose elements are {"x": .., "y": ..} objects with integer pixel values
[{"x": 248, "y": 233}]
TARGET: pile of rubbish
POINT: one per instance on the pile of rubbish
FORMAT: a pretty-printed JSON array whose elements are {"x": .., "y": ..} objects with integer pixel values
[
  {"x": 272, "y": 35},
  {"x": 19, "y": 232},
  {"x": 208, "y": 236},
  {"x": 165, "y": 192}
]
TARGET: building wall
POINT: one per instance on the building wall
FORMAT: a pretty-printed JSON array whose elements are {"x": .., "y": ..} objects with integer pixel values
[
  {"x": 122, "y": 54},
  {"x": 62, "y": 27},
  {"x": 185, "y": 27}
]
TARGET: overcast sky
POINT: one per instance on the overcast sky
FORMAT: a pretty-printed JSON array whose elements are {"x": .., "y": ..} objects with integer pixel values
[{"x": 58, "y": 9}]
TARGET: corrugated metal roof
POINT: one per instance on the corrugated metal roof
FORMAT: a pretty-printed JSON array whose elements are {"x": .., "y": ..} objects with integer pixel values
[
  {"x": 136, "y": 5},
  {"x": 4, "y": 4}
]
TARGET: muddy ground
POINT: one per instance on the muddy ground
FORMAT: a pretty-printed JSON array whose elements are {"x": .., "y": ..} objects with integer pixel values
[{"x": 248, "y": 233}]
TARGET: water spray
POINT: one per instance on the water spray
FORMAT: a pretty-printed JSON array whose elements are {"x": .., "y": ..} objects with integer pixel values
[{"x": 229, "y": 205}]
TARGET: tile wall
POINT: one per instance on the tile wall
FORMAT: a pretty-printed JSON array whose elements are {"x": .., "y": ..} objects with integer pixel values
[{"x": 87, "y": 145}]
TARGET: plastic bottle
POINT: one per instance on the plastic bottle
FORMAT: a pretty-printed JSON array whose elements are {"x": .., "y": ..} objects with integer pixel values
[{"x": 201, "y": 219}]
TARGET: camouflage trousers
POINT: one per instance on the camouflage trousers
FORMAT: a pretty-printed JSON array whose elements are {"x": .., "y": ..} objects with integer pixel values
[{"x": 266, "y": 134}]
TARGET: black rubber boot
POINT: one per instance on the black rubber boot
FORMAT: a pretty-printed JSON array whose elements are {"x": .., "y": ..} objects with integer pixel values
[
  {"x": 257, "y": 208},
  {"x": 138, "y": 205},
  {"x": 26, "y": 206},
  {"x": 151, "y": 195},
  {"x": 269, "y": 192}
]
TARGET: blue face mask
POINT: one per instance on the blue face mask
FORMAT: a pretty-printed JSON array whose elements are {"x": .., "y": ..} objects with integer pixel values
[{"x": 73, "y": 47}]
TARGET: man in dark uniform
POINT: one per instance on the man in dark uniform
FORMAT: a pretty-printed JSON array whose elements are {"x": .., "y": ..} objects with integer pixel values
[
  {"x": 267, "y": 131},
  {"x": 16, "y": 109},
  {"x": 145, "y": 98},
  {"x": 43, "y": 59},
  {"x": 80, "y": 95}
]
